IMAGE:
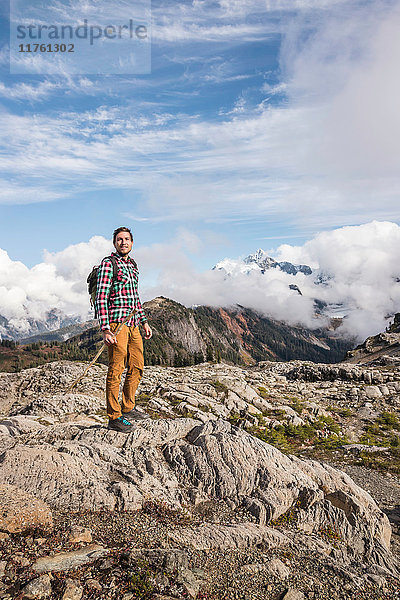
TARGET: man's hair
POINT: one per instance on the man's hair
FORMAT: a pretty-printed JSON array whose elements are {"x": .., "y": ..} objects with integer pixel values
[{"x": 117, "y": 231}]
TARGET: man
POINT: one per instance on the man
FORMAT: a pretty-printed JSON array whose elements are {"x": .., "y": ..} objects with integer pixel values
[{"x": 115, "y": 299}]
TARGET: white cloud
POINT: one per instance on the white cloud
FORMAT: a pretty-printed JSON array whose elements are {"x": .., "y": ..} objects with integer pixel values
[
  {"x": 59, "y": 282},
  {"x": 25, "y": 91},
  {"x": 346, "y": 73},
  {"x": 227, "y": 20},
  {"x": 362, "y": 263}
]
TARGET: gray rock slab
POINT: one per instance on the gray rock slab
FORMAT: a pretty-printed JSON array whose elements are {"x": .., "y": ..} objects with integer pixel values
[
  {"x": 184, "y": 461},
  {"x": 226, "y": 537},
  {"x": 69, "y": 560}
]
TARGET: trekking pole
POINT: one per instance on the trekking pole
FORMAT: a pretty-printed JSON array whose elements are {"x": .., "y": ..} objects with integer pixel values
[{"x": 116, "y": 332}]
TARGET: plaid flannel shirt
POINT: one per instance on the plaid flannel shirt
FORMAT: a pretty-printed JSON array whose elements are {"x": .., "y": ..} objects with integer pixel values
[{"x": 115, "y": 302}]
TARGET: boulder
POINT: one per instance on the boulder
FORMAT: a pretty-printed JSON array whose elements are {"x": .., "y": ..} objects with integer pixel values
[
  {"x": 293, "y": 594},
  {"x": 79, "y": 534},
  {"x": 276, "y": 568},
  {"x": 373, "y": 392},
  {"x": 20, "y": 511},
  {"x": 37, "y": 588},
  {"x": 73, "y": 590}
]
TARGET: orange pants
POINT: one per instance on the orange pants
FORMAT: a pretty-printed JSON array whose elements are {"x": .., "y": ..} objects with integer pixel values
[{"x": 127, "y": 352}]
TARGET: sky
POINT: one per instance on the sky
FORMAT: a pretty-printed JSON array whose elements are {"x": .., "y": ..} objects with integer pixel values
[{"x": 260, "y": 123}]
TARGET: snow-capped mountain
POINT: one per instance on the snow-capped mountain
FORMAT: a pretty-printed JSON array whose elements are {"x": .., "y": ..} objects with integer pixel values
[
  {"x": 262, "y": 262},
  {"x": 311, "y": 286},
  {"x": 16, "y": 329}
]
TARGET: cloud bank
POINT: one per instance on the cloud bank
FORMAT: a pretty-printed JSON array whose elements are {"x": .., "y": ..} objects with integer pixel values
[
  {"x": 59, "y": 282},
  {"x": 359, "y": 267}
]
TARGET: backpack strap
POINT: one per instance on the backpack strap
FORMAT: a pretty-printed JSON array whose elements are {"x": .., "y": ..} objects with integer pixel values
[
  {"x": 92, "y": 279},
  {"x": 115, "y": 268}
]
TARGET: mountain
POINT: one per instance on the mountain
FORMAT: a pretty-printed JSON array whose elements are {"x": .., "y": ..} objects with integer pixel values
[
  {"x": 54, "y": 319},
  {"x": 317, "y": 279},
  {"x": 60, "y": 335},
  {"x": 381, "y": 349},
  {"x": 183, "y": 336},
  {"x": 260, "y": 261}
]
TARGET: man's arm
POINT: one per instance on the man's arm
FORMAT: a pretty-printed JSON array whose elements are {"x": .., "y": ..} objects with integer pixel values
[
  {"x": 147, "y": 330},
  {"x": 140, "y": 312},
  {"x": 142, "y": 318}
]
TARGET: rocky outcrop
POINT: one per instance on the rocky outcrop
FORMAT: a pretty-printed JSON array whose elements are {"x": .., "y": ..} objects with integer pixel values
[
  {"x": 184, "y": 461},
  {"x": 383, "y": 348},
  {"x": 21, "y": 511},
  {"x": 309, "y": 371},
  {"x": 202, "y": 465},
  {"x": 228, "y": 537},
  {"x": 41, "y": 390}
]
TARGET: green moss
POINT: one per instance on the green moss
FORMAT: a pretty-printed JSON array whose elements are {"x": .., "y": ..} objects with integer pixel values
[
  {"x": 297, "y": 405},
  {"x": 143, "y": 398},
  {"x": 174, "y": 401},
  {"x": 141, "y": 582},
  {"x": 342, "y": 412},
  {"x": 287, "y": 518},
  {"x": 328, "y": 424},
  {"x": 234, "y": 419},
  {"x": 261, "y": 420},
  {"x": 332, "y": 442},
  {"x": 324, "y": 434},
  {"x": 189, "y": 414},
  {"x": 330, "y": 534},
  {"x": 387, "y": 462},
  {"x": 388, "y": 421},
  {"x": 276, "y": 437},
  {"x": 382, "y": 431},
  {"x": 276, "y": 413},
  {"x": 220, "y": 387}
]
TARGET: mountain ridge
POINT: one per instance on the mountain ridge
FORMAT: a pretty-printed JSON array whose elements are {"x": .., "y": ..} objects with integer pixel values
[
  {"x": 184, "y": 336},
  {"x": 261, "y": 260},
  {"x": 239, "y": 335}
]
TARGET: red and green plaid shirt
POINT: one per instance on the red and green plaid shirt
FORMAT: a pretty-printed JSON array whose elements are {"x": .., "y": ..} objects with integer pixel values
[{"x": 115, "y": 302}]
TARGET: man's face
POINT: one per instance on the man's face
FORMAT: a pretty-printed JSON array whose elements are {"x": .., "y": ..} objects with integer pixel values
[{"x": 123, "y": 243}]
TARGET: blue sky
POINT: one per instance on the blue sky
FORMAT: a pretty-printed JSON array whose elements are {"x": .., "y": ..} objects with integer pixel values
[{"x": 261, "y": 123}]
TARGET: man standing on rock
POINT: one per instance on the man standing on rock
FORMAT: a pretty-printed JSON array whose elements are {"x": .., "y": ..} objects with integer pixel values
[{"x": 116, "y": 297}]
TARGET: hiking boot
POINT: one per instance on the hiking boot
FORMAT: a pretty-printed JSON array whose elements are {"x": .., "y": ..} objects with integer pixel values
[
  {"x": 135, "y": 415},
  {"x": 121, "y": 424}
]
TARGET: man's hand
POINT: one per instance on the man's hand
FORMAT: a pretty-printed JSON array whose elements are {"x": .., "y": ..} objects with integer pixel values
[
  {"x": 147, "y": 331},
  {"x": 109, "y": 338}
]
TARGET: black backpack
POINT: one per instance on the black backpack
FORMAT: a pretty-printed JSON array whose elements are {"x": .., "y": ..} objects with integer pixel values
[{"x": 92, "y": 279}]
